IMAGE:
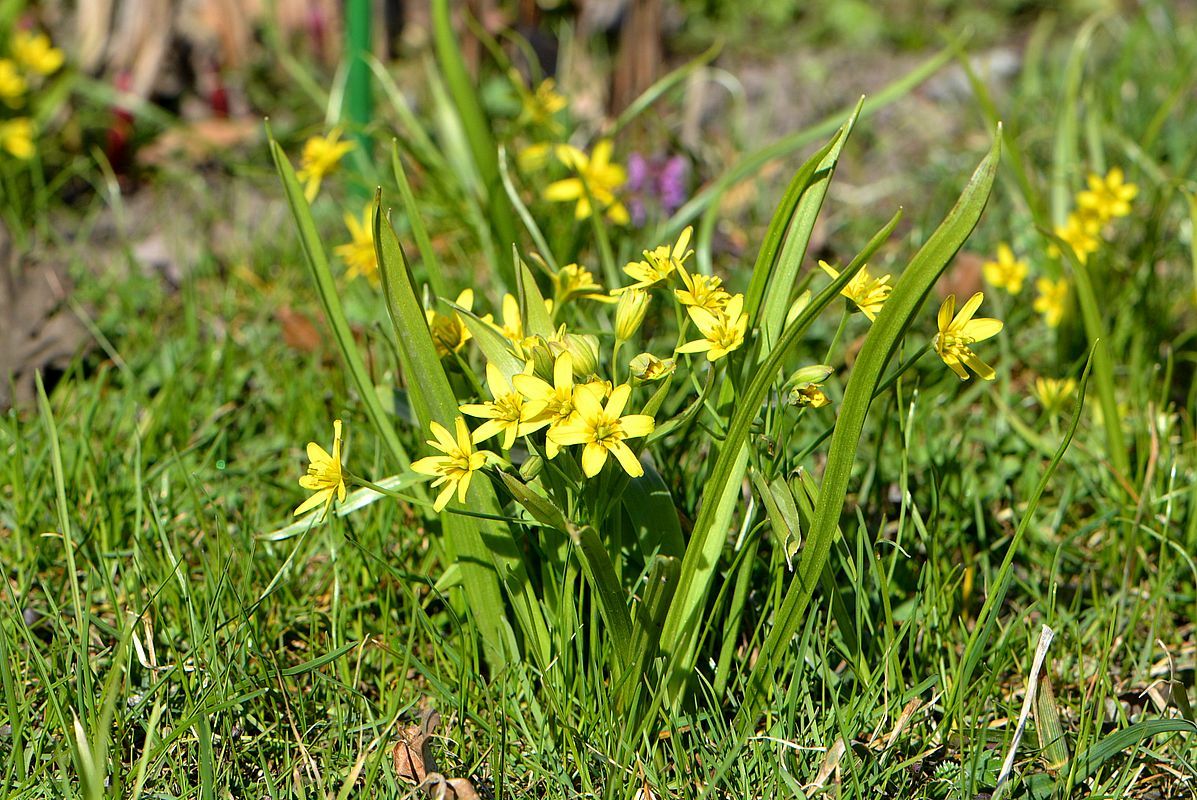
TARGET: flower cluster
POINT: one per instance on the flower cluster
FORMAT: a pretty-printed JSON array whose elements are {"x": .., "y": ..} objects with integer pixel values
[
  {"x": 1106, "y": 199},
  {"x": 31, "y": 59}
]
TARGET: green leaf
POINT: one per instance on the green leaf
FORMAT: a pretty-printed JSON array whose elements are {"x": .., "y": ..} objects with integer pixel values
[
  {"x": 491, "y": 342},
  {"x": 782, "y": 512},
  {"x": 721, "y": 494},
  {"x": 1090, "y": 759},
  {"x": 542, "y": 509},
  {"x": 326, "y": 288},
  {"x": 654, "y": 514},
  {"x": 783, "y": 274},
  {"x": 477, "y": 130},
  {"x": 486, "y": 560},
  {"x": 612, "y": 599},
  {"x": 533, "y": 311},
  {"x": 432, "y": 265},
  {"x": 886, "y": 332}
]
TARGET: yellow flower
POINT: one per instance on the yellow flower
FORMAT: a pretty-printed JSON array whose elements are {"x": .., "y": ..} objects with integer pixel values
[
  {"x": 659, "y": 263},
  {"x": 702, "y": 291},
  {"x": 647, "y": 367},
  {"x": 957, "y": 333},
  {"x": 1108, "y": 197},
  {"x": 867, "y": 293},
  {"x": 808, "y": 383},
  {"x": 596, "y": 180},
  {"x": 539, "y": 107},
  {"x": 1007, "y": 272},
  {"x": 34, "y": 52},
  {"x": 16, "y": 136},
  {"x": 722, "y": 330},
  {"x": 12, "y": 85},
  {"x": 358, "y": 254},
  {"x": 1053, "y": 393},
  {"x": 513, "y": 322},
  {"x": 320, "y": 157},
  {"x": 324, "y": 475},
  {"x": 1052, "y": 301},
  {"x": 1079, "y": 232},
  {"x": 456, "y": 467},
  {"x": 633, "y": 305},
  {"x": 572, "y": 281},
  {"x": 449, "y": 331},
  {"x": 507, "y": 413},
  {"x": 553, "y": 404},
  {"x": 603, "y": 430}
]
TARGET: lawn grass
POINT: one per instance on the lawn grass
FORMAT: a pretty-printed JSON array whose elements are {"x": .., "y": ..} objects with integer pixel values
[{"x": 157, "y": 641}]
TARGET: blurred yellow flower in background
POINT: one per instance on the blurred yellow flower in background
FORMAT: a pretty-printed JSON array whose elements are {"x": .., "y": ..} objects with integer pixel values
[
  {"x": 573, "y": 281},
  {"x": 1079, "y": 232},
  {"x": 1052, "y": 301},
  {"x": 358, "y": 253},
  {"x": 1107, "y": 197},
  {"x": 1053, "y": 393},
  {"x": 16, "y": 136},
  {"x": 958, "y": 331},
  {"x": 12, "y": 85},
  {"x": 596, "y": 180},
  {"x": 321, "y": 155},
  {"x": 1007, "y": 272},
  {"x": 34, "y": 52}
]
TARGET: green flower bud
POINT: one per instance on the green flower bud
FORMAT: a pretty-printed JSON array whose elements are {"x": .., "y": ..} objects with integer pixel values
[
  {"x": 585, "y": 351},
  {"x": 629, "y": 313}
]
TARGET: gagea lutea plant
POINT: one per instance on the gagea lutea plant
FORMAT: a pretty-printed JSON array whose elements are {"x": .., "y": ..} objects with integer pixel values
[{"x": 584, "y": 446}]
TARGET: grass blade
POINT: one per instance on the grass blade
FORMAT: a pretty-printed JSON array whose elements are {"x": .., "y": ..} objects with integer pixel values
[{"x": 326, "y": 288}]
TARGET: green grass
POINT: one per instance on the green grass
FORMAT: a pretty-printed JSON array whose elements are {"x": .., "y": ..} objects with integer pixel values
[{"x": 155, "y": 641}]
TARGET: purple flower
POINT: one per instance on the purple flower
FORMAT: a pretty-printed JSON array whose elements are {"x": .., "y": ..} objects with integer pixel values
[{"x": 658, "y": 183}]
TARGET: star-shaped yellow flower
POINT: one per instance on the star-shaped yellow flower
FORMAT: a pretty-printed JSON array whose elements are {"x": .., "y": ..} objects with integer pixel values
[
  {"x": 603, "y": 431},
  {"x": 539, "y": 107},
  {"x": 320, "y": 157},
  {"x": 358, "y": 253},
  {"x": 659, "y": 263},
  {"x": 1108, "y": 197},
  {"x": 507, "y": 413},
  {"x": 324, "y": 475},
  {"x": 722, "y": 330},
  {"x": 596, "y": 179},
  {"x": 455, "y": 469},
  {"x": 1052, "y": 301},
  {"x": 553, "y": 404},
  {"x": 1007, "y": 272},
  {"x": 866, "y": 292},
  {"x": 702, "y": 291},
  {"x": 957, "y": 332},
  {"x": 574, "y": 282}
]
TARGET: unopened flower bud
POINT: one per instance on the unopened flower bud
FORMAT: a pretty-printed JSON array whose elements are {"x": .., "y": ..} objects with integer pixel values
[
  {"x": 797, "y": 307},
  {"x": 629, "y": 313},
  {"x": 585, "y": 351}
]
